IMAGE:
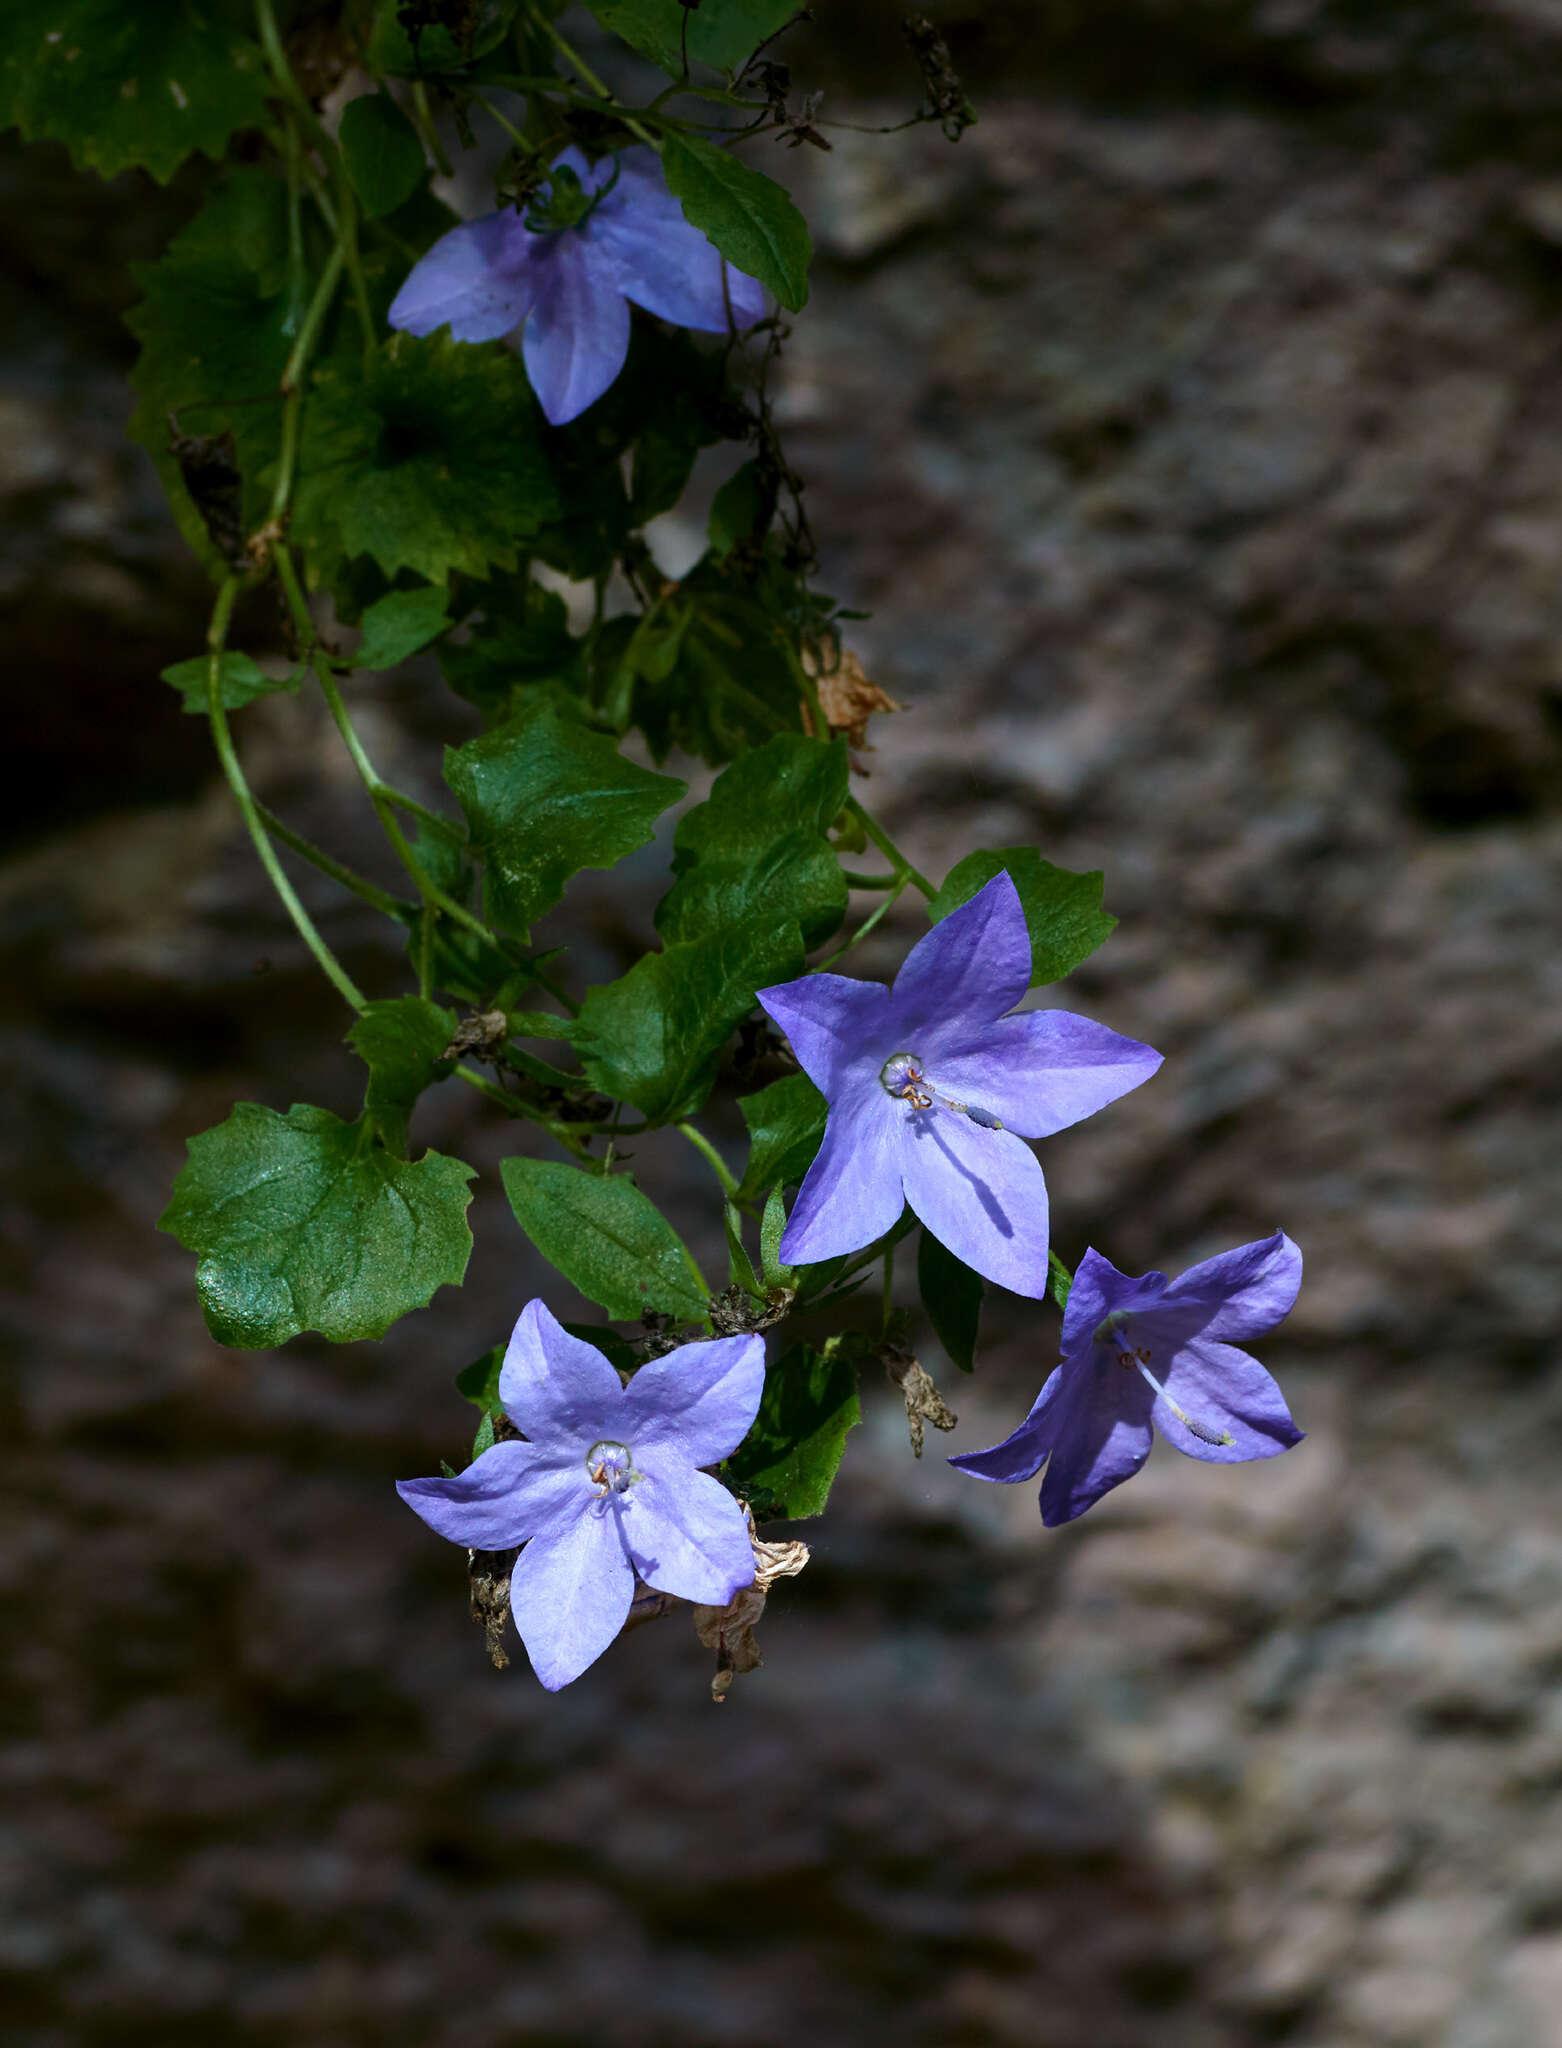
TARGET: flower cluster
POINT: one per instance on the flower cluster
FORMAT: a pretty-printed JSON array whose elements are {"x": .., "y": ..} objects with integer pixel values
[{"x": 934, "y": 1085}]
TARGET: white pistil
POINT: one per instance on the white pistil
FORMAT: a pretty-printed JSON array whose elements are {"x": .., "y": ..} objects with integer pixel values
[
  {"x": 611, "y": 1468},
  {"x": 1110, "y": 1331},
  {"x": 902, "y": 1076}
]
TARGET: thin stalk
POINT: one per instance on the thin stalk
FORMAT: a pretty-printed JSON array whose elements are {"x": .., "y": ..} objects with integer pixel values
[
  {"x": 428, "y": 128},
  {"x": 865, "y": 927},
  {"x": 356, "y": 884},
  {"x": 348, "y": 244},
  {"x": 295, "y": 228},
  {"x": 216, "y": 637},
  {"x": 573, "y": 58},
  {"x": 314, "y": 320},
  {"x": 889, "y": 849},
  {"x": 711, "y": 1156},
  {"x": 287, "y": 84},
  {"x": 872, "y": 881}
]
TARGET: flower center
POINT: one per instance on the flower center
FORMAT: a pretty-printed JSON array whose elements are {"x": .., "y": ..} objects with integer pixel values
[
  {"x": 1136, "y": 1358},
  {"x": 611, "y": 1468},
  {"x": 904, "y": 1076},
  {"x": 564, "y": 202}
]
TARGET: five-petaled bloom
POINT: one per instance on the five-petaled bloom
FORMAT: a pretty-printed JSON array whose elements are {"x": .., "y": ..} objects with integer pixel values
[
  {"x": 608, "y": 1487},
  {"x": 1138, "y": 1353},
  {"x": 601, "y": 234},
  {"x": 933, "y": 1089}
]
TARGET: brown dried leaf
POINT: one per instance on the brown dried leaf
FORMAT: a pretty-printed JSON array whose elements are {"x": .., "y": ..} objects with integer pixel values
[
  {"x": 846, "y": 697},
  {"x": 924, "y": 1403},
  {"x": 729, "y": 1630}
]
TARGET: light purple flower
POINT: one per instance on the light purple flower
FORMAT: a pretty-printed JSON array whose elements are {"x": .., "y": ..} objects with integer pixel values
[
  {"x": 607, "y": 1489},
  {"x": 933, "y": 1090},
  {"x": 1139, "y": 1355},
  {"x": 570, "y": 283}
]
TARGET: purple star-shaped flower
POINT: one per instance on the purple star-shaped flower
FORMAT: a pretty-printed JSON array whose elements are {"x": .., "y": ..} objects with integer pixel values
[
  {"x": 570, "y": 278},
  {"x": 607, "y": 1489},
  {"x": 1142, "y": 1355},
  {"x": 933, "y": 1089}
]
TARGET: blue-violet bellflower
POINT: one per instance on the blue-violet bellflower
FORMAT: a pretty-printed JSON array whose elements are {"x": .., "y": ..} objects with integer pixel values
[
  {"x": 607, "y": 1489},
  {"x": 933, "y": 1089},
  {"x": 1146, "y": 1355},
  {"x": 599, "y": 235}
]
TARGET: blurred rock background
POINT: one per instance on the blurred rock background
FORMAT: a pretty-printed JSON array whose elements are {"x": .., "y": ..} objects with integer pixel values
[{"x": 1193, "y": 431}]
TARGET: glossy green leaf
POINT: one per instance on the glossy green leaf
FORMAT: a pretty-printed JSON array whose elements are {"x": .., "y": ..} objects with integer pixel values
[
  {"x": 952, "y": 1295},
  {"x": 747, "y": 215},
  {"x": 722, "y": 33},
  {"x": 772, "y": 1226},
  {"x": 242, "y": 681},
  {"x": 132, "y": 84},
  {"x": 739, "y": 511},
  {"x": 301, "y": 1222},
  {"x": 787, "y": 1463},
  {"x": 657, "y": 1032},
  {"x": 479, "y": 1381},
  {"x": 740, "y": 1267},
  {"x": 785, "y": 1125},
  {"x": 1063, "y": 910},
  {"x": 428, "y": 459},
  {"x": 545, "y": 797},
  {"x": 402, "y": 622},
  {"x": 730, "y": 688},
  {"x": 608, "y": 1239},
  {"x": 1059, "y": 1280},
  {"x": 402, "y": 1042},
  {"x": 381, "y": 150},
  {"x": 754, "y": 855}
]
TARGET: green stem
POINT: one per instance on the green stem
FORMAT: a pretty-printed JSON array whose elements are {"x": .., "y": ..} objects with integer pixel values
[
  {"x": 356, "y": 884},
  {"x": 428, "y": 128},
  {"x": 348, "y": 244},
  {"x": 573, "y": 58},
  {"x": 872, "y": 881},
  {"x": 314, "y": 320},
  {"x": 889, "y": 849},
  {"x": 711, "y": 1156},
  {"x": 287, "y": 84},
  {"x": 862, "y": 931},
  {"x": 295, "y": 228},
  {"x": 216, "y": 638}
]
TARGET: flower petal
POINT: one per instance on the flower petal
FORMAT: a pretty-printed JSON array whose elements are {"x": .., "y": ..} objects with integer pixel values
[
  {"x": 554, "y": 1385},
  {"x": 686, "y": 1533},
  {"x": 966, "y": 971},
  {"x": 663, "y": 263},
  {"x": 695, "y": 1404},
  {"x": 837, "y": 1027},
  {"x": 577, "y": 335},
  {"x": 479, "y": 280},
  {"x": 1021, "y": 1454},
  {"x": 1242, "y": 1293},
  {"x": 852, "y": 1192},
  {"x": 1098, "y": 1289},
  {"x": 1224, "y": 1389},
  {"x": 1103, "y": 1436},
  {"x": 1043, "y": 1070},
  {"x": 569, "y": 1594},
  {"x": 981, "y": 1193},
  {"x": 511, "y": 1492}
]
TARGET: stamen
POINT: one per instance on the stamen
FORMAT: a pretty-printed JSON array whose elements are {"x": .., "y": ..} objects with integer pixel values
[
  {"x": 903, "y": 1077},
  {"x": 611, "y": 1468},
  {"x": 1201, "y": 1430}
]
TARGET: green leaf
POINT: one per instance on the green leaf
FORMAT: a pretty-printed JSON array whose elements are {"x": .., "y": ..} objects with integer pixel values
[
  {"x": 754, "y": 856},
  {"x": 427, "y": 459},
  {"x": 952, "y": 1295},
  {"x": 730, "y": 688},
  {"x": 301, "y": 1223},
  {"x": 1059, "y": 1280},
  {"x": 401, "y": 623},
  {"x": 747, "y": 215},
  {"x": 772, "y": 1226},
  {"x": 723, "y": 33},
  {"x": 617, "y": 1350},
  {"x": 785, "y": 1125},
  {"x": 242, "y": 682},
  {"x": 482, "y": 25},
  {"x": 739, "y": 511},
  {"x": 740, "y": 1268},
  {"x": 1063, "y": 910},
  {"x": 483, "y": 1441},
  {"x": 787, "y": 1463},
  {"x": 381, "y": 150},
  {"x": 479, "y": 1381},
  {"x": 402, "y": 1041},
  {"x": 657, "y": 1032},
  {"x": 545, "y": 797},
  {"x": 608, "y": 1240},
  {"x": 522, "y": 638},
  {"x": 132, "y": 84}
]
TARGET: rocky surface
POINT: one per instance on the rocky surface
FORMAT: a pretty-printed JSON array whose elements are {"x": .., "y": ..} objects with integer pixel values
[{"x": 1192, "y": 432}]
